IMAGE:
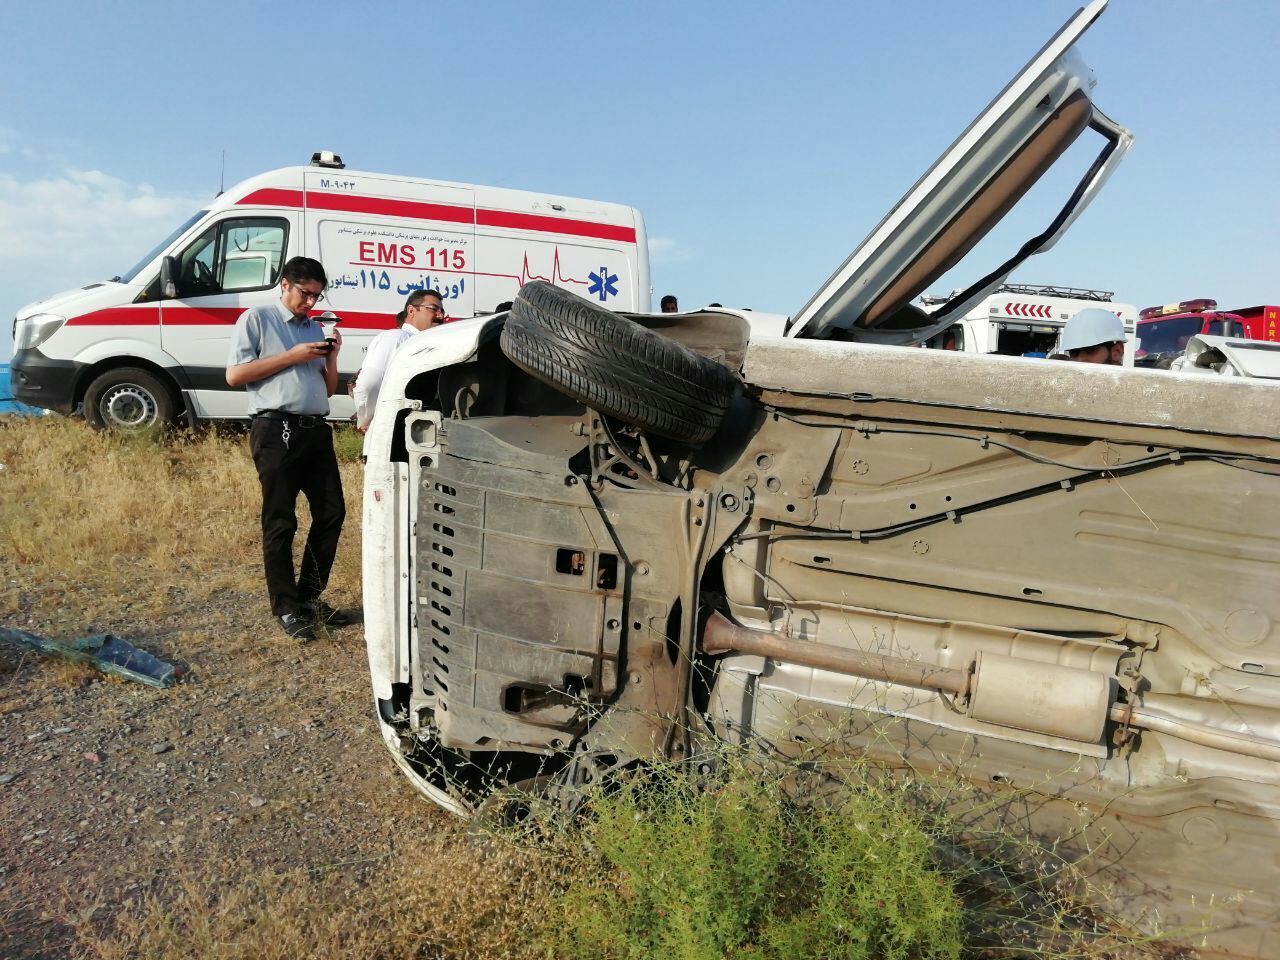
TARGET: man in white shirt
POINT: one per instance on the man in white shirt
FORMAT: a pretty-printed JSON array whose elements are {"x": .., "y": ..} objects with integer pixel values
[{"x": 423, "y": 310}]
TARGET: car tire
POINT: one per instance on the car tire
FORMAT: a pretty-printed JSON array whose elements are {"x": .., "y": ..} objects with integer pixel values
[
  {"x": 129, "y": 400},
  {"x": 615, "y": 365}
]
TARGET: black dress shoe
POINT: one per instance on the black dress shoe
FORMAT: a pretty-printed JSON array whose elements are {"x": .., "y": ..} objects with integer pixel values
[
  {"x": 319, "y": 612},
  {"x": 296, "y": 627}
]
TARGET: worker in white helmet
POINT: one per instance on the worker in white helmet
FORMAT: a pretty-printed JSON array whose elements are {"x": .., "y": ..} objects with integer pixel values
[{"x": 1094, "y": 335}]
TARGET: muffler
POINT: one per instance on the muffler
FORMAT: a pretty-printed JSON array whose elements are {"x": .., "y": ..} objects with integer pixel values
[
  {"x": 1011, "y": 692},
  {"x": 1021, "y": 694}
]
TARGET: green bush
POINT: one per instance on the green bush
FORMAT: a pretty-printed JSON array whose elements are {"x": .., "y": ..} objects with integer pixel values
[
  {"x": 348, "y": 443},
  {"x": 673, "y": 868},
  {"x": 866, "y": 887}
]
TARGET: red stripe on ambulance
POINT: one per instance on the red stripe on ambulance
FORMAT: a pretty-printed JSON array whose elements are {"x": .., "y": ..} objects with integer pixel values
[
  {"x": 449, "y": 213},
  {"x": 175, "y": 316},
  {"x": 353, "y": 203},
  {"x": 532, "y": 221},
  {"x": 181, "y": 316},
  {"x": 118, "y": 317},
  {"x": 351, "y": 320}
]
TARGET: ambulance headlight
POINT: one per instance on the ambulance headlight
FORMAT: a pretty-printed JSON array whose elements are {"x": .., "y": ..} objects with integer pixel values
[{"x": 34, "y": 330}]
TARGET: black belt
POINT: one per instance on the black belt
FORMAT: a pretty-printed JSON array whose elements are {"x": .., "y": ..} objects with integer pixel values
[{"x": 301, "y": 419}]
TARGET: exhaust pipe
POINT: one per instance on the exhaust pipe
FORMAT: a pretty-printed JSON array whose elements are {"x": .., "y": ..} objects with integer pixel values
[
  {"x": 1007, "y": 691},
  {"x": 722, "y": 635}
]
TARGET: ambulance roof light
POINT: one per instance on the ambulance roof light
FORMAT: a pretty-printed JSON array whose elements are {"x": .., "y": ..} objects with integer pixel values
[{"x": 327, "y": 158}]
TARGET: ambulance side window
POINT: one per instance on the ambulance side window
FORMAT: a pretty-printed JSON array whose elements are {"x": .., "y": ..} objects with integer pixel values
[
  {"x": 244, "y": 253},
  {"x": 250, "y": 254}
]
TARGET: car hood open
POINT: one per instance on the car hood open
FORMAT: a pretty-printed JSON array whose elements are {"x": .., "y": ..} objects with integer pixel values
[{"x": 997, "y": 159}]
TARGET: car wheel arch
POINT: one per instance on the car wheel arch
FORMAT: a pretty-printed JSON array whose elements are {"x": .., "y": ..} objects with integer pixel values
[
  {"x": 166, "y": 381},
  {"x": 92, "y": 370}
]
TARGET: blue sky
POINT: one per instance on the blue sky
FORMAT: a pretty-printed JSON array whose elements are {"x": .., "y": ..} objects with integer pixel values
[{"x": 761, "y": 141}]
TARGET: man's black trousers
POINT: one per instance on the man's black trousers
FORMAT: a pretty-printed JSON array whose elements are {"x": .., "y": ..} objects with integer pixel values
[{"x": 293, "y": 459}]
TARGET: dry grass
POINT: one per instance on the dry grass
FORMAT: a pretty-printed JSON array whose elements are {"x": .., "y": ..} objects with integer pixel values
[
  {"x": 441, "y": 900},
  {"x": 131, "y": 520}
]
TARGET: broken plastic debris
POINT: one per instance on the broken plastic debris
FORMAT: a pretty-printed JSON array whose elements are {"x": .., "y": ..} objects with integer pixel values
[{"x": 107, "y": 652}]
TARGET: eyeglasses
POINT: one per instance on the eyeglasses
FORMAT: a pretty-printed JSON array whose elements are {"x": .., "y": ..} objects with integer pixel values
[
  {"x": 315, "y": 297},
  {"x": 430, "y": 306}
]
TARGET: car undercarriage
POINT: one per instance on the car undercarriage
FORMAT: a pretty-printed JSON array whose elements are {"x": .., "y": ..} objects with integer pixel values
[{"x": 1032, "y": 600}]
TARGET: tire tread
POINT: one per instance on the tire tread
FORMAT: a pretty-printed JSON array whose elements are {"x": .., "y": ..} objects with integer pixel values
[{"x": 615, "y": 365}]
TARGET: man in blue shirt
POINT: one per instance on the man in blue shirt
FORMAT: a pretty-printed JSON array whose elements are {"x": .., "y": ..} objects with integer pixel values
[{"x": 282, "y": 359}]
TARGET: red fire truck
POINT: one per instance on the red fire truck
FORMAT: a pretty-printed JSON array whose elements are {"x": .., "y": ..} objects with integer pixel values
[{"x": 1163, "y": 331}]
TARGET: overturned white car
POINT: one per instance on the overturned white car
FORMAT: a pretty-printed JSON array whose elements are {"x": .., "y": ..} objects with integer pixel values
[
  {"x": 1229, "y": 357},
  {"x": 592, "y": 539}
]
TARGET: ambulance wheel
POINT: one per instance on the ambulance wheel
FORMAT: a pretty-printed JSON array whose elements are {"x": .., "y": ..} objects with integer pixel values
[
  {"x": 129, "y": 399},
  {"x": 616, "y": 366}
]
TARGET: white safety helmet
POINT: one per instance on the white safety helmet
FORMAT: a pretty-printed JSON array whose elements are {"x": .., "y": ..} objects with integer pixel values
[{"x": 1092, "y": 327}]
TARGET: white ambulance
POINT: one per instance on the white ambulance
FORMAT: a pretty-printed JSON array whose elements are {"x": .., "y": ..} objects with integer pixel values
[
  {"x": 151, "y": 345},
  {"x": 1022, "y": 319}
]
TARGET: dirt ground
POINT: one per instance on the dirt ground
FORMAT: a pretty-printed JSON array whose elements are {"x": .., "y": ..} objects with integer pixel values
[{"x": 268, "y": 758}]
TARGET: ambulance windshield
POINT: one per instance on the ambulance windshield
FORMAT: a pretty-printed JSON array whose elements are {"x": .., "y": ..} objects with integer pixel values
[{"x": 160, "y": 247}]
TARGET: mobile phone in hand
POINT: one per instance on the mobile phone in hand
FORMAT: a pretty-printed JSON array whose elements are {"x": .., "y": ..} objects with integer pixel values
[{"x": 328, "y": 320}]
